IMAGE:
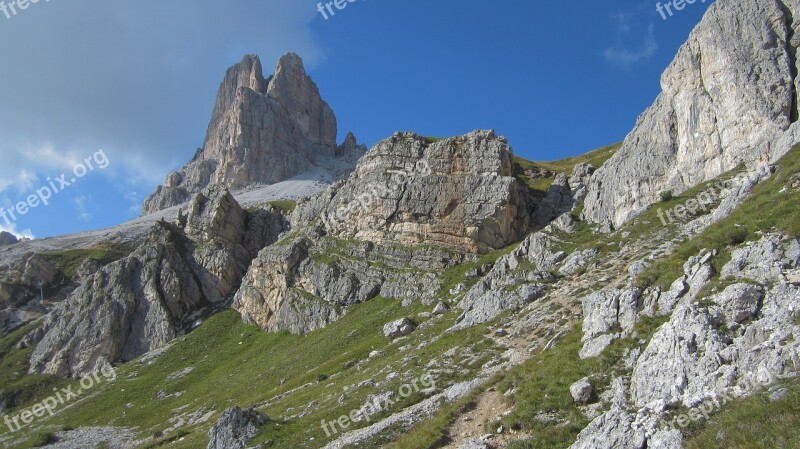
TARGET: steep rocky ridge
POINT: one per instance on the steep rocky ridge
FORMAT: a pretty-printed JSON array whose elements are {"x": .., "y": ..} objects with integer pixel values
[
  {"x": 146, "y": 299},
  {"x": 728, "y": 98},
  {"x": 412, "y": 206},
  {"x": 6, "y": 238},
  {"x": 262, "y": 131}
]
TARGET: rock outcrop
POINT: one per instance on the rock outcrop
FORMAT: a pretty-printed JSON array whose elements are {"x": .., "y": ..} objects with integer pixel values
[
  {"x": 6, "y": 238},
  {"x": 304, "y": 283},
  {"x": 730, "y": 344},
  {"x": 235, "y": 428},
  {"x": 377, "y": 233},
  {"x": 262, "y": 131},
  {"x": 458, "y": 192},
  {"x": 729, "y": 97},
  {"x": 22, "y": 283},
  {"x": 148, "y": 298}
]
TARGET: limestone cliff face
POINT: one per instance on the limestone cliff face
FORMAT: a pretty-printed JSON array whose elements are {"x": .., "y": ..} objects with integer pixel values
[
  {"x": 728, "y": 98},
  {"x": 262, "y": 131},
  {"x": 304, "y": 283},
  {"x": 145, "y": 300},
  {"x": 458, "y": 192},
  {"x": 413, "y": 207}
]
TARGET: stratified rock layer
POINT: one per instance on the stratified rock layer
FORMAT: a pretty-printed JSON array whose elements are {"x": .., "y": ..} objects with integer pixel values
[{"x": 458, "y": 192}]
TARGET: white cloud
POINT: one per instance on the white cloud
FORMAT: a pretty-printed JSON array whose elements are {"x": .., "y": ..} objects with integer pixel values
[
  {"x": 635, "y": 42},
  {"x": 627, "y": 57},
  {"x": 136, "y": 203},
  {"x": 80, "y": 207},
  {"x": 26, "y": 233},
  {"x": 135, "y": 78}
]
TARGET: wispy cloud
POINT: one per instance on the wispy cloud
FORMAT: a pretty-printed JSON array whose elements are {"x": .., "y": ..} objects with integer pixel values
[
  {"x": 26, "y": 233},
  {"x": 136, "y": 203},
  {"x": 628, "y": 56},
  {"x": 80, "y": 207},
  {"x": 635, "y": 41}
]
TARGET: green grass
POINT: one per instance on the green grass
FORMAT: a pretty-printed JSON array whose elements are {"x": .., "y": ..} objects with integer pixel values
[
  {"x": 596, "y": 158},
  {"x": 17, "y": 388},
  {"x": 433, "y": 432},
  {"x": 285, "y": 206},
  {"x": 752, "y": 423},
  {"x": 239, "y": 364},
  {"x": 542, "y": 384},
  {"x": 69, "y": 260},
  {"x": 767, "y": 208},
  {"x": 539, "y": 186}
]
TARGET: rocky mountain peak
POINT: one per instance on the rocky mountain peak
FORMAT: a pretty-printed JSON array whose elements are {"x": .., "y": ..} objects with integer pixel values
[
  {"x": 729, "y": 97},
  {"x": 6, "y": 238},
  {"x": 262, "y": 131},
  {"x": 246, "y": 74}
]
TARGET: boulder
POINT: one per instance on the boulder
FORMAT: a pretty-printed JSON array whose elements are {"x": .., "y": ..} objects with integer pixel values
[
  {"x": 235, "y": 428},
  {"x": 582, "y": 391},
  {"x": 441, "y": 309},
  {"x": 399, "y": 328}
]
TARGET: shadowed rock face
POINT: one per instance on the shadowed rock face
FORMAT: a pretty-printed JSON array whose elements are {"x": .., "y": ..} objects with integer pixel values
[
  {"x": 7, "y": 238},
  {"x": 145, "y": 300},
  {"x": 729, "y": 97},
  {"x": 262, "y": 131}
]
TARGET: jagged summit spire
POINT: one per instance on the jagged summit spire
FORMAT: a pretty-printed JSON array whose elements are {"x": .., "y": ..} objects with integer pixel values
[{"x": 262, "y": 131}]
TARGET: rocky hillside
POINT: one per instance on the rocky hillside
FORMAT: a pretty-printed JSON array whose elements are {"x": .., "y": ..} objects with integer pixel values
[
  {"x": 728, "y": 98},
  {"x": 443, "y": 293}
]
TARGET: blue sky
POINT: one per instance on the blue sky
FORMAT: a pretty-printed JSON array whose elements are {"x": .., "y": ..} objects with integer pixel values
[{"x": 138, "y": 80}]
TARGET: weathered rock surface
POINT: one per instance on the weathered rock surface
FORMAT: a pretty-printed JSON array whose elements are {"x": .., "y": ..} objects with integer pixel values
[
  {"x": 581, "y": 391},
  {"x": 399, "y": 328},
  {"x": 731, "y": 344},
  {"x": 262, "y": 131},
  {"x": 694, "y": 356},
  {"x": 22, "y": 282},
  {"x": 458, "y": 192},
  {"x": 303, "y": 283},
  {"x": 769, "y": 258},
  {"x": 507, "y": 286},
  {"x": 609, "y": 314},
  {"x": 440, "y": 309},
  {"x": 235, "y": 428},
  {"x": 145, "y": 300},
  {"x": 729, "y": 97}
]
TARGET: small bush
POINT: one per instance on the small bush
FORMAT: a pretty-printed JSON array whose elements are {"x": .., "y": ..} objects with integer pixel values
[
  {"x": 41, "y": 439},
  {"x": 666, "y": 196}
]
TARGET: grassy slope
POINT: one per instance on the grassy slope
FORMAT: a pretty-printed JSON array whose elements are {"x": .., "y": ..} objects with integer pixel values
[
  {"x": 767, "y": 208},
  {"x": 542, "y": 383},
  {"x": 238, "y": 364},
  {"x": 69, "y": 260},
  {"x": 596, "y": 158},
  {"x": 752, "y": 423}
]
